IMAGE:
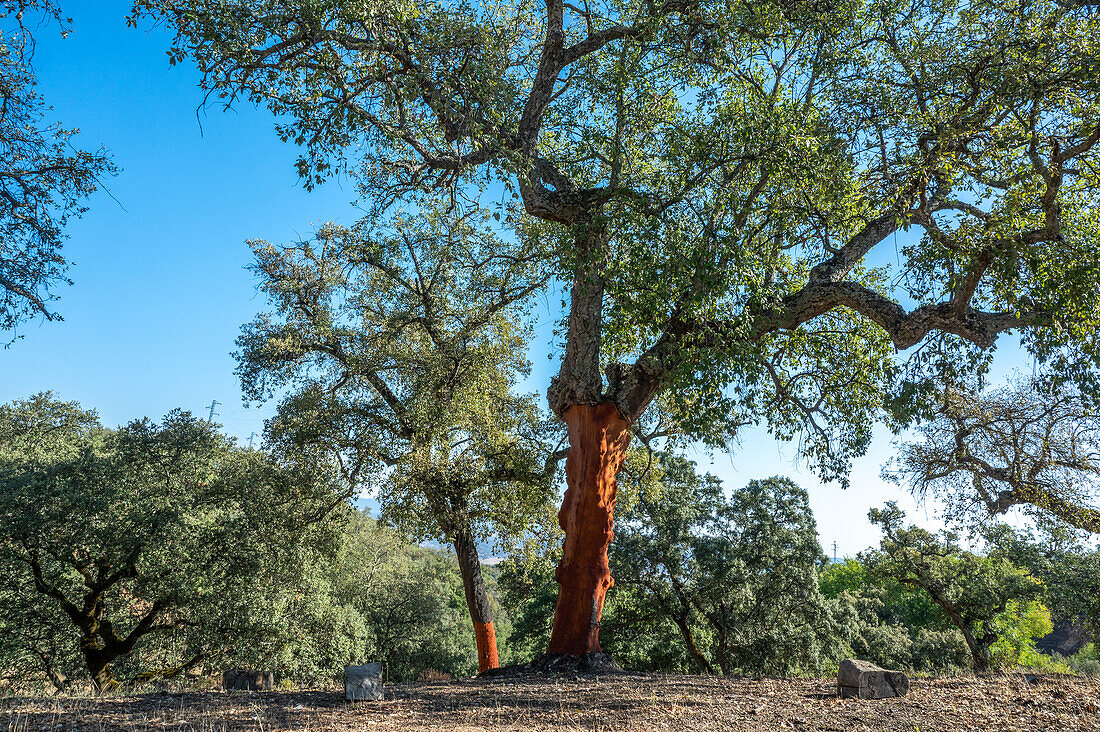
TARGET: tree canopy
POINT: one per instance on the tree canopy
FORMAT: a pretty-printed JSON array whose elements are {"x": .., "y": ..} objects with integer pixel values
[
  {"x": 723, "y": 173},
  {"x": 43, "y": 177},
  {"x": 117, "y": 536},
  {"x": 988, "y": 452}
]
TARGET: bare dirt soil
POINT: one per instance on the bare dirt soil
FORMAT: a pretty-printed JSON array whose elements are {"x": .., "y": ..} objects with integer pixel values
[{"x": 651, "y": 703}]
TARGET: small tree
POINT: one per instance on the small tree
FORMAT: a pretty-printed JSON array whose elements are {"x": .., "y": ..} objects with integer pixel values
[
  {"x": 972, "y": 590},
  {"x": 400, "y": 343},
  {"x": 43, "y": 178},
  {"x": 1031, "y": 446},
  {"x": 737, "y": 576},
  {"x": 890, "y": 624},
  {"x": 148, "y": 530}
]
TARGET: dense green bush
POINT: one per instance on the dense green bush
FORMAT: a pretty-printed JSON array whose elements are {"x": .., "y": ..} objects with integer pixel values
[
  {"x": 734, "y": 578},
  {"x": 163, "y": 550},
  {"x": 884, "y": 633},
  {"x": 377, "y": 598},
  {"x": 1068, "y": 567},
  {"x": 893, "y": 625},
  {"x": 141, "y": 551},
  {"x": 1086, "y": 661},
  {"x": 972, "y": 590}
]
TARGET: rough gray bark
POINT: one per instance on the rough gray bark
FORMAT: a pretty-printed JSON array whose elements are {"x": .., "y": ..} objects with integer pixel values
[
  {"x": 477, "y": 599},
  {"x": 579, "y": 380}
]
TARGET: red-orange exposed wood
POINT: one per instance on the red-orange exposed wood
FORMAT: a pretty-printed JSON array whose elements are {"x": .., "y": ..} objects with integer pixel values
[
  {"x": 598, "y": 438},
  {"x": 486, "y": 636},
  {"x": 477, "y": 599}
]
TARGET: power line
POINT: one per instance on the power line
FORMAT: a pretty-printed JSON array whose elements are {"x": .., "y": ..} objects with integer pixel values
[
  {"x": 250, "y": 440},
  {"x": 213, "y": 404}
]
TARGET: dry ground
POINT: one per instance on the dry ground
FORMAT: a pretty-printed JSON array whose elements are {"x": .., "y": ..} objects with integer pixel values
[{"x": 650, "y": 703}]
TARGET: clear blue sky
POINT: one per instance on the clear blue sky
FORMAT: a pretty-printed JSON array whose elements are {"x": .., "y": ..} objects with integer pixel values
[{"x": 161, "y": 286}]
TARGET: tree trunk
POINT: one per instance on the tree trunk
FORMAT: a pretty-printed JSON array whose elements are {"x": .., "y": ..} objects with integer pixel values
[
  {"x": 980, "y": 656},
  {"x": 983, "y": 656},
  {"x": 979, "y": 649},
  {"x": 598, "y": 438},
  {"x": 689, "y": 640},
  {"x": 477, "y": 600},
  {"x": 98, "y": 662},
  {"x": 60, "y": 683}
]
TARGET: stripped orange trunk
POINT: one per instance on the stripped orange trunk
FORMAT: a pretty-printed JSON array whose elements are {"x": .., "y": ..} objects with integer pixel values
[
  {"x": 486, "y": 636},
  {"x": 477, "y": 600},
  {"x": 598, "y": 438}
]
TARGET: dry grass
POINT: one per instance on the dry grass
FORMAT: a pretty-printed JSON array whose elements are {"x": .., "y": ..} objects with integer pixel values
[{"x": 640, "y": 703}]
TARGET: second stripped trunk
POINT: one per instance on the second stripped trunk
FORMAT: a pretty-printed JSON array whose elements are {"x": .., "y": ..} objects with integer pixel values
[{"x": 477, "y": 600}]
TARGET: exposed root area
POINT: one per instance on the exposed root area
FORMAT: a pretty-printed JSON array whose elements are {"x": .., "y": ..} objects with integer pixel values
[{"x": 558, "y": 664}]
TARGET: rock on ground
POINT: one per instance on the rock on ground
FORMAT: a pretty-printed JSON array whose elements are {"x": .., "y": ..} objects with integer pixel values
[
  {"x": 865, "y": 680},
  {"x": 363, "y": 683}
]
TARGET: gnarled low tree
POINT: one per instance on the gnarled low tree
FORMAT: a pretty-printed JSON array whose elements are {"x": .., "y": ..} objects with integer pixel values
[
  {"x": 1028, "y": 445},
  {"x": 972, "y": 590},
  {"x": 400, "y": 343},
  {"x": 752, "y": 204},
  {"x": 146, "y": 530}
]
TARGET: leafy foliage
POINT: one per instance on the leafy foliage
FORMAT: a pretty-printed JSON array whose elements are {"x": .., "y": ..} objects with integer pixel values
[
  {"x": 724, "y": 184},
  {"x": 43, "y": 177},
  {"x": 1070, "y": 571},
  {"x": 399, "y": 343},
  {"x": 736, "y": 577},
  {"x": 971, "y": 590},
  {"x": 376, "y": 598},
  {"x": 891, "y": 624},
  {"x": 1017, "y": 628},
  {"x": 1085, "y": 661},
  {"x": 117, "y": 537}
]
